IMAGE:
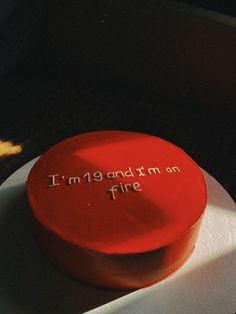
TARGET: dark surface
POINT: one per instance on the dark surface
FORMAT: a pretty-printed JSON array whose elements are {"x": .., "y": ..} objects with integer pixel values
[
  {"x": 49, "y": 97},
  {"x": 20, "y": 24}
]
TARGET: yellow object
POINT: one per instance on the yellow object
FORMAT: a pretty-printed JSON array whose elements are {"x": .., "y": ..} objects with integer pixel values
[{"x": 7, "y": 148}]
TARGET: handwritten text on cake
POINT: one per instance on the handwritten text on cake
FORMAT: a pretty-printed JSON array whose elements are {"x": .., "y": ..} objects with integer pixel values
[{"x": 56, "y": 180}]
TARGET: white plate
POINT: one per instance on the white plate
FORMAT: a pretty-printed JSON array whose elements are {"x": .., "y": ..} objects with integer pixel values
[{"x": 29, "y": 284}]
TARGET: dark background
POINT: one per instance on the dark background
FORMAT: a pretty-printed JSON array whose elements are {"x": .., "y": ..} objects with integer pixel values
[{"x": 71, "y": 67}]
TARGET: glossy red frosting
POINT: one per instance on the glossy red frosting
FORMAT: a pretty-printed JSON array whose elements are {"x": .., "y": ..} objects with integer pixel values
[{"x": 154, "y": 208}]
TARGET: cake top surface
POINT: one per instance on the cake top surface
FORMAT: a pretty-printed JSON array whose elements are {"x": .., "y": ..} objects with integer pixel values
[{"x": 117, "y": 192}]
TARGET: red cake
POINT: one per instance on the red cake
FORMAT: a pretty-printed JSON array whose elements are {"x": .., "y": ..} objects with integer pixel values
[{"x": 117, "y": 209}]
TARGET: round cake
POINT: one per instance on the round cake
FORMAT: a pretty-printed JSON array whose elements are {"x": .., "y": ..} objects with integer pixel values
[{"x": 118, "y": 209}]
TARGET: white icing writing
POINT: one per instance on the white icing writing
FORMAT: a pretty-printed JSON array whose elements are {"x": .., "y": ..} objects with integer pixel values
[
  {"x": 140, "y": 171},
  {"x": 55, "y": 180},
  {"x": 123, "y": 188},
  {"x": 154, "y": 170}
]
